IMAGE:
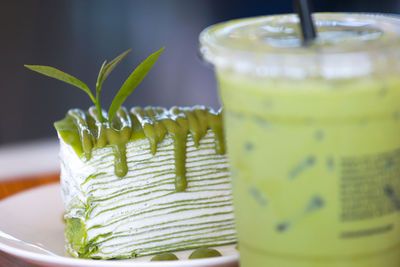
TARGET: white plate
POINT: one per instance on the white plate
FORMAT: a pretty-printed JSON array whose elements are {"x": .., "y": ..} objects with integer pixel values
[{"x": 35, "y": 217}]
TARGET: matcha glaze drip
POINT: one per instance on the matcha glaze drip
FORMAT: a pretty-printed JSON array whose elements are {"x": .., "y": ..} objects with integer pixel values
[{"x": 84, "y": 132}]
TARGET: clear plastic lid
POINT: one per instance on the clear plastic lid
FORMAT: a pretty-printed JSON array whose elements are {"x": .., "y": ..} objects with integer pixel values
[{"x": 348, "y": 45}]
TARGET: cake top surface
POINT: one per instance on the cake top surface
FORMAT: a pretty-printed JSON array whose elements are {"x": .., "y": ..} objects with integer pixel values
[{"x": 84, "y": 131}]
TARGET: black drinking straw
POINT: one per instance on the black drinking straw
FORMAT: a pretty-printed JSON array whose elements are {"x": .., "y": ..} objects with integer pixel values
[{"x": 303, "y": 10}]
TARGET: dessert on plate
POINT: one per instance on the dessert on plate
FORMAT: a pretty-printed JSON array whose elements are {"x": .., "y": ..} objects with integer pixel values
[{"x": 141, "y": 181}]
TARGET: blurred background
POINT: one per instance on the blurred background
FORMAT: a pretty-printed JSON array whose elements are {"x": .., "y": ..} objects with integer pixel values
[{"x": 76, "y": 36}]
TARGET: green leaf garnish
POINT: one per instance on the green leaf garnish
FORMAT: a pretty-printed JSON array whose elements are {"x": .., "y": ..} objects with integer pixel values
[
  {"x": 132, "y": 82},
  {"x": 110, "y": 66},
  {"x": 62, "y": 76},
  {"x": 99, "y": 83},
  {"x": 127, "y": 88},
  {"x": 100, "y": 78},
  {"x": 105, "y": 70}
]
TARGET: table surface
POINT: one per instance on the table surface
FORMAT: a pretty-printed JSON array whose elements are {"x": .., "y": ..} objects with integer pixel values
[{"x": 13, "y": 186}]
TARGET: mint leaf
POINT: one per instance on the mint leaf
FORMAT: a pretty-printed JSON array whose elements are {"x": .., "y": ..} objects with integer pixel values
[
  {"x": 132, "y": 82},
  {"x": 62, "y": 76}
]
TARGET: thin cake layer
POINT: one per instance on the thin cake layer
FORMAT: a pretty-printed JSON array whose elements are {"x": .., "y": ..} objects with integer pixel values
[{"x": 143, "y": 212}]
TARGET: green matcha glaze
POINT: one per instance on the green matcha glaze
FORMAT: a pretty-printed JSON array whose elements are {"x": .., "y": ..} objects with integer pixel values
[
  {"x": 75, "y": 232},
  {"x": 84, "y": 132},
  {"x": 117, "y": 136},
  {"x": 165, "y": 257},
  {"x": 201, "y": 253},
  {"x": 194, "y": 127},
  {"x": 214, "y": 122}
]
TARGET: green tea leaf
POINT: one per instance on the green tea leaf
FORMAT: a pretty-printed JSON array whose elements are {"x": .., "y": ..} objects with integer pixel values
[
  {"x": 105, "y": 70},
  {"x": 100, "y": 79},
  {"x": 110, "y": 66},
  {"x": 132, "y": 82},
  {"x": 62, "y": 76},
  {"x": 99, "y": 84}
]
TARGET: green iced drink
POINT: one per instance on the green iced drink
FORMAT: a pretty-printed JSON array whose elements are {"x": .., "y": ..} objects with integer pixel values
[{"x": 313, "y": 137}]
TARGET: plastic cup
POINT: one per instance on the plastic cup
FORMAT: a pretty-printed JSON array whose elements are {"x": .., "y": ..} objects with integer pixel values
[{"x": 313, "y": 138}]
